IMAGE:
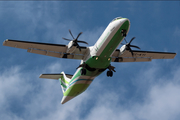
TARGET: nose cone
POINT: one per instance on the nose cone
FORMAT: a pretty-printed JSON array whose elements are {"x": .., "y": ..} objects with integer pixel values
[
  {"x": 124, "y": 25},
  {"x": 123, "y": 20}
]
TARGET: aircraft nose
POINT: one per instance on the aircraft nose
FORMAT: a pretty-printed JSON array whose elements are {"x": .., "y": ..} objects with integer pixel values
[
  {"x": 123, "y": 20},
  {"x": 124, "y": 24}
]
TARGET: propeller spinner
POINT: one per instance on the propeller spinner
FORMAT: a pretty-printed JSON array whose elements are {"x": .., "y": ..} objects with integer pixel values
[{"x": 75, "y": 40}]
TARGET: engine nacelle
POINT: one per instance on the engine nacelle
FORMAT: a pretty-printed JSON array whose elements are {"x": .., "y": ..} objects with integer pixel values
[
  {"x": 71, "y": 47},
  {"x": 122, "y": 49}
]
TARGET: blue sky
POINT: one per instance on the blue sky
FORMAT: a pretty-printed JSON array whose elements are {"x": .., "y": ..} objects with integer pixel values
[{"x": 137, "y": 91}]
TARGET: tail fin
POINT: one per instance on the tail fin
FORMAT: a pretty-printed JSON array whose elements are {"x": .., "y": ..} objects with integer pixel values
[
  {"x": 64, "y": 81},
  {"x": 63, "y": 78}
]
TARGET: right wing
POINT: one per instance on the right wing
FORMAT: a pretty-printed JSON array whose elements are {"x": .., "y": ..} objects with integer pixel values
[
  {"x": 54, "y": 50},
  {"x": 140, "y": 56}
]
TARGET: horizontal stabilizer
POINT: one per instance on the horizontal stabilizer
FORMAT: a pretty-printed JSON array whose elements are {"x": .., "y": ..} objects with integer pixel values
[{"x": 54, "y": 76}]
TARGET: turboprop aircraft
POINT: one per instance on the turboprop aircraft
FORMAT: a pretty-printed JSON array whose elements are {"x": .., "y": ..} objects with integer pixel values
[{"x": 94, "y": 59}]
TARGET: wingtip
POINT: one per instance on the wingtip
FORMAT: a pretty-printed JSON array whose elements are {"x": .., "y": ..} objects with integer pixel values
[
  {"x": 40, "y": 76},
  {"x": 4, "y": 43}
]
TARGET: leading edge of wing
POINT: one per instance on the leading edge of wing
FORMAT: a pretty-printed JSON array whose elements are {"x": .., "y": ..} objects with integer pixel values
[
  {"x": 4, "y": 43},
  {"x": 20, "y": 41},
  {"x": 154, "y": 52}
]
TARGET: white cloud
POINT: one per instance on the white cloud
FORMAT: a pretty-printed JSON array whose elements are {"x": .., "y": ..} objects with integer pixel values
[
  {"x": 160, "y": 102},
  {"x": 12, "y": 88},
  {"x": 10, "y": 79},
  {"x": 35, "y": 98},
  {"x": 54, "y": 67}
]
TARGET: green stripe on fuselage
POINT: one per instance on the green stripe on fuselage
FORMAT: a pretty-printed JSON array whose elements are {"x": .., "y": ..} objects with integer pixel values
[{"x": 103, "y": 41}]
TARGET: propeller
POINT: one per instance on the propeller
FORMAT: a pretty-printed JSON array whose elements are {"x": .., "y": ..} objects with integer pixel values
[
  {"x": 128, "y": 45},
  {"x": 75, "y": 40}
]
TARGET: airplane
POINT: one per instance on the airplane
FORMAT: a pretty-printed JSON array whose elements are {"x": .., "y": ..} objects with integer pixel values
[{"x": 94, "y": 59}]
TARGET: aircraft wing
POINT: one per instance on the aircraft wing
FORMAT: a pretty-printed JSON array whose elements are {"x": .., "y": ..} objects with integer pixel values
[
  {"x": 140, "y": 56},
  {"x": 54, "y": 50}
]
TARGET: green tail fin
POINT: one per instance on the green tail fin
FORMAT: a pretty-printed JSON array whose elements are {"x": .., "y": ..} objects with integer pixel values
[
  {"x": 63, "y": 78},
  {"x": 64, "y": 81}
]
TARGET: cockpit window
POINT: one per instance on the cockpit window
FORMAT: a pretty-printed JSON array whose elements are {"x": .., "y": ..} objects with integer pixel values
[{"x": 116, "y": 19}]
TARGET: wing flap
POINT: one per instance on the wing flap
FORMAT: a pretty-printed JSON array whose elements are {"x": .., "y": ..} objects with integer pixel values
[
  {"x": 121, "y": 59},
  {"x": 56, "y": 54}
]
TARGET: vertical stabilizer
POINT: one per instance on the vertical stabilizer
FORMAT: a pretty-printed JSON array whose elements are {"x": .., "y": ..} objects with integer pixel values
[{"x": 64, "y": 81}]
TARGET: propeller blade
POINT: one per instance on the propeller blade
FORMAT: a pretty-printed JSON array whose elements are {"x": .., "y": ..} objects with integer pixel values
[
  {"x": 125, "y": 40},
  {"x": 66, "y": 39},
  {"x": 78, "y": 35},
  {"x": 78, "y": 47},
  {"x": 71, "y": 33},
  {"x": 131, "y": 52},
  {"x": 131, "y": 40},
  {"x": 75, "y": 41},
  {"x": 82, "y": 42},
  {"x": 135, "y": 46},
  {"x": 128, "y": 46}
]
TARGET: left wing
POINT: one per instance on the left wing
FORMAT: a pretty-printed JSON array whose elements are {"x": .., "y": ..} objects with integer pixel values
[
  {"x": 54, "y": 50},
  {"x": 140, "y": 56}
]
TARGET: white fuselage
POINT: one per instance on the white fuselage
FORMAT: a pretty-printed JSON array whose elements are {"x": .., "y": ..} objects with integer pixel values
[{"x": 106, "y": 36}]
